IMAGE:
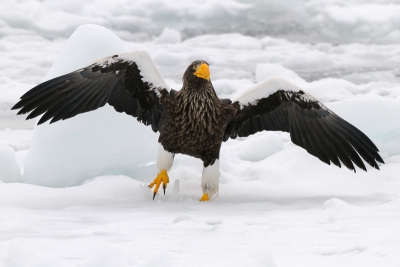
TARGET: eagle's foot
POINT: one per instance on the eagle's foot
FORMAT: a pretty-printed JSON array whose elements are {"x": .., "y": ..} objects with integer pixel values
[
  {"x": 163, "y": 178},
  {"x": 205, "y": 197}
]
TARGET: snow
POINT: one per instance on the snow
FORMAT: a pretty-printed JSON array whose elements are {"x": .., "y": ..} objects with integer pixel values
[
  {"x": 83, "y": 48},
  {"x": 169, "y": 36},
  {"x": 9, "y": 169},
  {"x": 277, "y": 205},
  {"x": 309, "y": 21},
  {"x": 265, "y": 71},
  {"x": 260, "y": 147},
  {"x": 359, "y": 112},
  {"x": 229, "y": 41}
]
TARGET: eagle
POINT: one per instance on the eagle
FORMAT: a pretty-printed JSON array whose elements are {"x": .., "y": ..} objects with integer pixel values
[{"x": 194, "y": 121}]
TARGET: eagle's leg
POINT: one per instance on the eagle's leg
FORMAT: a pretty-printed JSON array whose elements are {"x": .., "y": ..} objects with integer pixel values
[
  {"x": 210, "y": 181},
  {"x": 165, "y": 160}
]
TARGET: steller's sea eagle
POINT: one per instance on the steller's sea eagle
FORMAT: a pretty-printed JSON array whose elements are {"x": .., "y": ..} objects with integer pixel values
[{"x": 194, "y": 121}]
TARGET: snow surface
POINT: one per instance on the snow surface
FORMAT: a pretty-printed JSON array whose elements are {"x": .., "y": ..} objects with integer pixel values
[
  {"x": 277, "y": 205},
  {"x": 9, "y": 169},
  {"x": 169, "y": 36},
  {"x": 333, "y": 21}
]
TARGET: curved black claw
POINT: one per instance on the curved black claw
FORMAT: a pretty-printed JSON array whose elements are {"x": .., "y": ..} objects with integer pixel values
[{"x": 154, "y": 195}]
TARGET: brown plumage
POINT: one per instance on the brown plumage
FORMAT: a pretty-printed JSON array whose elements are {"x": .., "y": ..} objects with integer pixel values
[{"x": 195, "y": 118}]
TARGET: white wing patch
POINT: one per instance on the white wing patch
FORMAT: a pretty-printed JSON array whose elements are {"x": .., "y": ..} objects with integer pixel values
[
  {"x": 263, "y": 90},
  {"x": 251, "y": 95},
  {"x": 146, "y": 66}
]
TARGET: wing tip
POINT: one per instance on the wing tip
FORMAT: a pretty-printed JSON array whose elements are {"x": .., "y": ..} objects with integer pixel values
[{"x": 17, "y": 106}]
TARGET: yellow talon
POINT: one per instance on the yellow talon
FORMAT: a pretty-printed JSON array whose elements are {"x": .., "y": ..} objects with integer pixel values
[
  {"x": 163, "y": 178},
  {"x": 205, "y": 197}
]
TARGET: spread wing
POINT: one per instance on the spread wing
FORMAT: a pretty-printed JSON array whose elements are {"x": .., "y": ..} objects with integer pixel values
[
  {"x": 128, "y": 81},
  {"x": 278, "y": 105}
]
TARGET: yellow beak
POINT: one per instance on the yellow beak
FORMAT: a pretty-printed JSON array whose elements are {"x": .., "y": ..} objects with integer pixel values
[{"x": 203, "y": 71}]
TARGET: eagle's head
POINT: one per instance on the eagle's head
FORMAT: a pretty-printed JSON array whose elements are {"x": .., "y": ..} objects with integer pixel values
[{"x": 198, "y": 73}]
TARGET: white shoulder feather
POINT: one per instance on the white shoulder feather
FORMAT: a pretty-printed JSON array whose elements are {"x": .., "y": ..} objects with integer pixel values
[
  {"x": 267, "y": 88},
  {"x": 148, "y": 70}
]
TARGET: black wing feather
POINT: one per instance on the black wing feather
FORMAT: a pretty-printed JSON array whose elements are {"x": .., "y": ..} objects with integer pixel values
[
  {"x": 118, "y": 82},
  {"x": 311, "y": 125}
]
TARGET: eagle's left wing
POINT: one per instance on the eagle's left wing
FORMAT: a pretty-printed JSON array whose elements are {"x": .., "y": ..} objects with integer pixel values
[
  {"x": 130, "y": 82},
  {"x": 278, "y": 105}
]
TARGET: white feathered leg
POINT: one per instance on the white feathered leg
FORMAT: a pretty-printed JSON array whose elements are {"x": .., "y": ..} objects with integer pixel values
[
  {"x": 165, "y": 160},
  {"x": 210, "y": 181}
]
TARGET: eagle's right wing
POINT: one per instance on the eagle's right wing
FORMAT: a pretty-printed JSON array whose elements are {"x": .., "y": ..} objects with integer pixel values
[
  {"x": 278, "y": 105},
  {"x": 129, "y": 82}
]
